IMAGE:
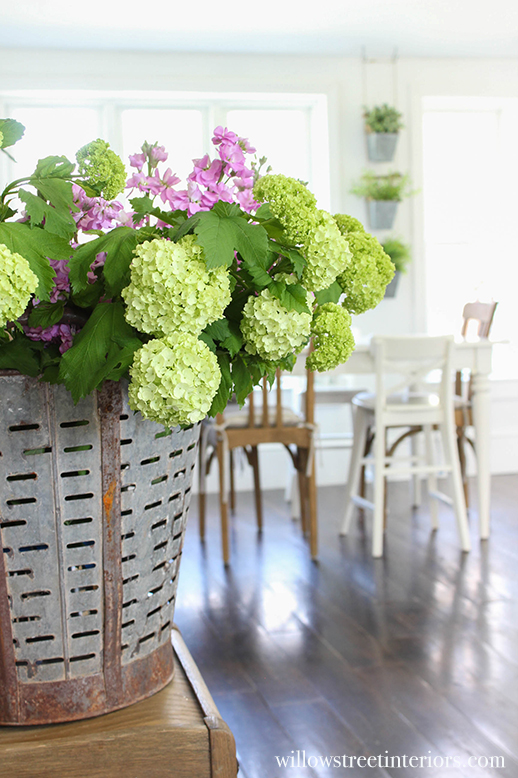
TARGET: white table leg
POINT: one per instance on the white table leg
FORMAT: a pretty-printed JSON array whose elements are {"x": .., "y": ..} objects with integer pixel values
[{"x": 481, "y": 409}]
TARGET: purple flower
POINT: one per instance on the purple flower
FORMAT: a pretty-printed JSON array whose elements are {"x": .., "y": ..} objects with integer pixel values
[
  {"x": 206, "y": 172},
  {"x": 61, "y": 283},
  {"x": 58, "y": 333},
  {"x": 99, "y": 261},
  {"x": 158, "y": 153},
  {"x": 223, "y": 134},
  {"x": 138, "y": 161}
]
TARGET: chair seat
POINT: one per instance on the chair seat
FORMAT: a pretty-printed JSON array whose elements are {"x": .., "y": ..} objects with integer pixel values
[
  {"x": 412, "y": 401},
  {"x": 238, "y": 418}
]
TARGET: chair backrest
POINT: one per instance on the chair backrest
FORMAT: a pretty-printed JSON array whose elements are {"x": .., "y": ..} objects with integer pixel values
[
  {"x": 403, "y": 363},
  {"x": 265, "y": 415},
  {"x": 482, "y": 313}
]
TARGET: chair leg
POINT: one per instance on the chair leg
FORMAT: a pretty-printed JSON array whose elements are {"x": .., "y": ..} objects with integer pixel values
[
  {"x": 461, "y": 446},
  {"x": 416, "y": 479},
  {"x": 202, "y": 465},
  {"x": 379, "y": 493},
  {"x": 313, "y": 511},
  {"x": 223, "y": 505},
  {"x": 303, "y": 490},
  {"x": 450, "y": 446},
  {"x": 432, "y": 477},
  {"x": 231, "y": 479},
  {"x": 254, "y": 461},
  {"x": 360, "y": 428}
]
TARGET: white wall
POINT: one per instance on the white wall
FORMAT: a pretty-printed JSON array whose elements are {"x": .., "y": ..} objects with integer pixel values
[{"x": 348, "y": 84}]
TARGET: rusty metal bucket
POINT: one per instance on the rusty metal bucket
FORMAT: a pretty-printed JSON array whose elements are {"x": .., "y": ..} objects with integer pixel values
[{"x": 93, "y": 507}]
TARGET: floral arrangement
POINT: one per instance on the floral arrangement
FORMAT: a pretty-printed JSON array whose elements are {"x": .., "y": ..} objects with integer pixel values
[
  {"x": 382, "y": 118},
  {"x": 194, "y": 293}
]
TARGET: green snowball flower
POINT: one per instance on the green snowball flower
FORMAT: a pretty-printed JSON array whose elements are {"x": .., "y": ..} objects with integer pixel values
[
  {"x": 290, "y": 202},
  {"x": 17, "y": 284},
  {"x": 348, "y": 223},
  {"x": 367, "y": 275},
  {"x": 102, "y": 168},
  {"x": 1, "y": 138},
  {"x": 326, "y": 251},
  {"x": 333, "y": 340},
  {"x": 174, "y": 380},
  {"x": 171, "y": 288},
  {"x": 270, "y": 330}
]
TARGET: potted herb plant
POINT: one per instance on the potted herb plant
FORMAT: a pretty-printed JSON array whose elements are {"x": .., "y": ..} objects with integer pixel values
[
  {"x": 382, "y": 126},
  {"x": 399, "y": 253},
  {"x": 383, "y": 192},
  {"x": 121, "y": 329}
]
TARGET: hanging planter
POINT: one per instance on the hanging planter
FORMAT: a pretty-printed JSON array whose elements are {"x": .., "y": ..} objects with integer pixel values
[
  {"x": 382, "y": 214},
  {"x": 381, "y": 146},
  {"x": 94, "y": 505},
  {"x": 382, "y": 125},
  {"x": 391, "y": 289}
]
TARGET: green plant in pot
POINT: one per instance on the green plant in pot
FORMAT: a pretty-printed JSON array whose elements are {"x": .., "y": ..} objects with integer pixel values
[
  {"x": 382, "y": 126},
  {"x": 400, "y": 255},
  {"x": 383, "y": 192}
]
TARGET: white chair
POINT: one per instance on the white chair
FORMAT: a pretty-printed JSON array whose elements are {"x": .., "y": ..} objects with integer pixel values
[{"x": 402, "y": 404}]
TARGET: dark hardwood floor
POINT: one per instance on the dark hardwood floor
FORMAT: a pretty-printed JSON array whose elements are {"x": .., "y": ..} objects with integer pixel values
[{"x": 412, "y": 654}]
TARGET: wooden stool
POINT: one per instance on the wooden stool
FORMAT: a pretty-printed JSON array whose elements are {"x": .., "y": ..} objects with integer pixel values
[{"x": 177, "y": 732}]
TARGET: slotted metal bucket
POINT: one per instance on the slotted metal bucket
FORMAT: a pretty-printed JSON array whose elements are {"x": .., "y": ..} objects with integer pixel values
[{"x": 93, "y": 507}]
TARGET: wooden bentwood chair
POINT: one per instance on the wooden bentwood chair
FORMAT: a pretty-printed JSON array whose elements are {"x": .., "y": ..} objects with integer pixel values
[{"x": 247, "y": 429}]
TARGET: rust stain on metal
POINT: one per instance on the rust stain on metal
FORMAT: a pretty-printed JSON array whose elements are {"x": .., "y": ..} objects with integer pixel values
[{"x": 108, "y": 501}]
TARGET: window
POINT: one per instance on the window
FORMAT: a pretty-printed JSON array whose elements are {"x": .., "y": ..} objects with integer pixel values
[
  {"x": 470, "y": 206},
  {"x": 291, "y": 130}
]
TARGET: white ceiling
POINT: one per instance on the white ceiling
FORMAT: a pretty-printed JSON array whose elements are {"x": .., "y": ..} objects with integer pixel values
[{"x": 413, "y": 28}]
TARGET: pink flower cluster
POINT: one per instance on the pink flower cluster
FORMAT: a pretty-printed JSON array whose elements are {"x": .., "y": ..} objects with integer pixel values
[
  {"x": 225, "y": 178},
  {"x": 58, "y": 333},
  {"x": 97, "y": 214},
  {"x": 61, "y": 283}
]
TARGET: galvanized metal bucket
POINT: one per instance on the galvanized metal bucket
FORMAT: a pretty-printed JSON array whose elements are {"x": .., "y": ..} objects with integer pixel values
[
  {"x": 93, "y": 507},
  {"x": 381, "y": 146},
  {"x": 382, "y": 214}
]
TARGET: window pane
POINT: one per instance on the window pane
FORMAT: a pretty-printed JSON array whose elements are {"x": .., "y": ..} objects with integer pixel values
[
  {"x": 180, "y": 131},
  {"x": 51, "y": 131},
  {"x": 280, "y": 135}
]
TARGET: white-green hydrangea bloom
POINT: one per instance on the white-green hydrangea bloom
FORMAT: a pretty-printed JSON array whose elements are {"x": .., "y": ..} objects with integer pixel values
[
  {"x": 327, "y": 252},
  {"x": 17, "y": 284},
  {"x": 102, "y": 168},
  {"x": 1, "y": 138},
  {"x": 348, "y": 223},
  {"x": 290, "y": 202},
  {"x": 171, "y": 289},
  {"x": 270, "y": 330},
  {"x": 174, "y": 380},
  {"x": 333, "y": 340},
  {"x": 367, "y": 275}
]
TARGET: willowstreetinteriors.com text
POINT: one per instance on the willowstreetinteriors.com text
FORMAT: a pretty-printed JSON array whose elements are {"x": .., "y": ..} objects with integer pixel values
[{"x": 300, "y": 759}]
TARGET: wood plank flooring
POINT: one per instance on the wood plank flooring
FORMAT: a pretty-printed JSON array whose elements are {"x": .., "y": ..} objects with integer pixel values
[{"x": 415, "y": 653}]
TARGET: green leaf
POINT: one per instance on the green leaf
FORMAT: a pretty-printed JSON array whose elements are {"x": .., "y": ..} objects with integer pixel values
[
  {"x": 242, "y": 379},
  {"x": 188, "y": 225},
  {"x": 119, "y": 245},
  {"x": 297, "y": 261},
  {"x": 208, "y": 341},
  {"x": 330, "y": 295},
  {"x": 89, "y": 297},
  {"x": 46, "y": 314},
  {"x": 120, "y": 359},
  {"x": 19, "y": 354},
  {"x": 264, "y": 212},
  {"x": 292, "y": 296},
  {"x": 222, "y": 396},
  {"x": 222, "y": 231},
  {"x": 91, "y": 358},
  {"x": 12, "y": 131},
  {"x": 19, "y": 238},
  {"x": 57, "y": 167},
  {"x": 58, "y": 222},
  {"x": 227, "y": 333},
  {"x": 55, "y": 190}
]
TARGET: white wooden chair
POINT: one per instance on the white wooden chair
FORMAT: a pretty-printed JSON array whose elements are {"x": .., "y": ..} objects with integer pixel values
[{"x": 410, "y": 358}]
